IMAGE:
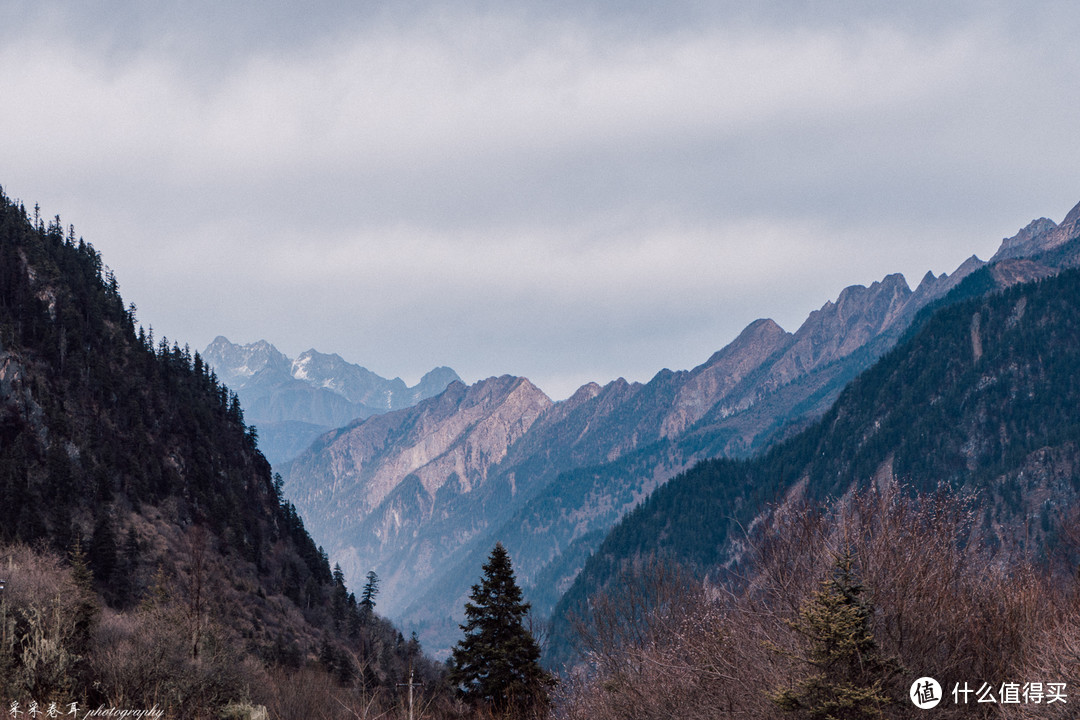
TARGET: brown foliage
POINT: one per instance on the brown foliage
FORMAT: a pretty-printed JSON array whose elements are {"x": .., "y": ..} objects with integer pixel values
[
  {"x": 944, "y": 606},
  {"x": 43, "y": 624}
]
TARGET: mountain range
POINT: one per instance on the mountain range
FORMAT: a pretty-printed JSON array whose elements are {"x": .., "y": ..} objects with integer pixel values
[
  {"x": 421, "y": 494},
  {"x": 292, "y": 402},
  {"x": 978, "y": 400}
]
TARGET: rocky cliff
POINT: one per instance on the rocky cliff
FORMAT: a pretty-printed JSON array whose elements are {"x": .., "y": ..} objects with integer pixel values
[{"x": 379, "y": 492}]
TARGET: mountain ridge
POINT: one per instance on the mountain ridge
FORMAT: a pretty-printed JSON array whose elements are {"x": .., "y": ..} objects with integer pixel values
[
  {"x": 609, "y": 446},
  {"x": 292, "y": 401},
  {"x": 974, "y": 381}
]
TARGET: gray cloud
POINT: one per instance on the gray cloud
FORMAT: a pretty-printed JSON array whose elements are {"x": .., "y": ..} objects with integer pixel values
[{"x": 570, "y": 191}]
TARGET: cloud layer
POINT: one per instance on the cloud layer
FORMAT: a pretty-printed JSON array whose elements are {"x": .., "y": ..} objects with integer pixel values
[{"x": 566, "y": 191}]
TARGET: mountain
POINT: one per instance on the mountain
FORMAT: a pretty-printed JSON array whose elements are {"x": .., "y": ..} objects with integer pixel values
[
  {"x": 294, "y": 401},
  {"x": 980, "y": 397},
  {"x": 149, "y": 558},
  {"x": 392, "y": 490},
  {"x": 582, "y": 463},
  {"x": 605, "y": 449}
]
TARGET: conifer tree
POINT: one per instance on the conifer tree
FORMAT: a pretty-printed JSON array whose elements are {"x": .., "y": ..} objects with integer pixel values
[
  {"x": 849, "y": 675},
  {"x": 498, "y": 661},
  {"x": 371, "y": 589}
]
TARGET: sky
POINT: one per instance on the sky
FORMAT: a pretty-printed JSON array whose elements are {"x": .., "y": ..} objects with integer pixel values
[{"x": 569, "y": 191}]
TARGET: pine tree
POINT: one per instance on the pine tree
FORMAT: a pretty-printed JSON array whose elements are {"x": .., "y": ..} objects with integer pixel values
[
  {"x": 371, "y": 589},
  {"x": 498, "y": 661},
  {"x": 850, "y": 675}
]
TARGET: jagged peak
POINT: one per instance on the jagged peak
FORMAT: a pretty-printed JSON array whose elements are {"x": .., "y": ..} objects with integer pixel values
[
  {"x": 928, "y": 281},
  {"x": 894, "y": 280},
  {"x": 503, "y": 385},
  {"x": 584, "y": 393},
  {"x": 967, "y": 267},
  {"x": 313, "y": 353},
  {"x": 763, "y": 326},
  {"x": 1073, "y": 216},
  {"x": 762, "y": 330},
  {"x": 1030, "y": 239},
  {"x": 620, "y": 383}
]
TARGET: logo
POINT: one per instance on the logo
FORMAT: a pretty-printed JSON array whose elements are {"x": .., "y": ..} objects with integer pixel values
[{"x": 925, "y": 693}]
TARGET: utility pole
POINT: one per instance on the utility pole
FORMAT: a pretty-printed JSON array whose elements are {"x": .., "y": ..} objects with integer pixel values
[{"x": 410, "y": 685}]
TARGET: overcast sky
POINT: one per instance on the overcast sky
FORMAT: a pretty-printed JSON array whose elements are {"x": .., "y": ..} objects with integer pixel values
[{"x": 569, "y": 191}]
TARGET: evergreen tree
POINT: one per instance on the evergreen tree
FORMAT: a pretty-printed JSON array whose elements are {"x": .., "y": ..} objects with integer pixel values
[
  {"x": 339, "y": 597},
  {"x": 850, "y": 676},
  {"x": 498, "y": 661},
  {"x": 87, "y": 608},
  {"x": 103, "y": 556},
  {"x": 371, "y": 589}
]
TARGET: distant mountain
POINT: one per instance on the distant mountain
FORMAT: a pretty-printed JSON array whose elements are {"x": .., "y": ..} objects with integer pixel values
[
  {"x": 294, "y": 401},
  {"x": 981, "y": 396}
]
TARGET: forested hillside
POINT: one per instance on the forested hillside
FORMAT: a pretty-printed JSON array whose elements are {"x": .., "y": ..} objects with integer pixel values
[
  {"x": 147, "y": 552},
  {"x": 980, "y": 398}
]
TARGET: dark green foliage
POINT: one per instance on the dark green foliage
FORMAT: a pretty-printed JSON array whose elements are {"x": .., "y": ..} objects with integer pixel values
[
  {"x": 371, "y": 589},
  {"x": 111, "y": 439},
  {"x": 497, "y": 663},
  {"x": 103, "y": 554},
  {"x": 86, "y": 604},
  {"x": 848, "y": 676},
  {"x": 981, "y": 389},
  {"x": 95, "y": 410}
]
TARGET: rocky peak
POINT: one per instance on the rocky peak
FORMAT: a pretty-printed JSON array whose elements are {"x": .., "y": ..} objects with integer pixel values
[
  {"x": 433, "y": 383},
  {"x": 353, "y": 382},
  {"x": 583, "y": 394},
  {"x": 858, "y": 314},
  {"x": 933, "y": 287},
  {"x": 711, "y": 383},
  {"x": 461, "y": 432},
  {"x": 236, "y": 364},
  {"x": 1069, "y": 229},
  {"x": 1026, "y": 242},
  {"x": 764, "y": 333}
]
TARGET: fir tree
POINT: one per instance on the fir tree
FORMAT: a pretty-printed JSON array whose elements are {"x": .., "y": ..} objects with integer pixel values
[
  {"x": 371, "y": 589},
  {"x": 87, "y": 608},
  {"x": 849, "y": 674},
  {"x": 498, "y": 661}
]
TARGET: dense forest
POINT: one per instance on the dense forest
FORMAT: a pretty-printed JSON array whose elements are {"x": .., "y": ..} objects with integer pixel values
[{"x": 147, "y": 554}]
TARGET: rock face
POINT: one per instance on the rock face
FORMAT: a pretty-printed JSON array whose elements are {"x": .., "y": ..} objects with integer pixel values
[
  {"x": 1040, "y": 237},
  {"x": 294, "y": 401},
  {"x": 382, "y": 487}
]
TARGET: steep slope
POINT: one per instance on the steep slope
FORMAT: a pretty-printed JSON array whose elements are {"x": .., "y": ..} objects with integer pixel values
[
  {"x": 606, "y": 449},
  {"x": 193, "y": 581},
  {"x": 982, "y": 396},
  {"x": 555, "y": 534},
  {"x": 294, "y": 401},
  {"x": 382, "y": 490}
]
